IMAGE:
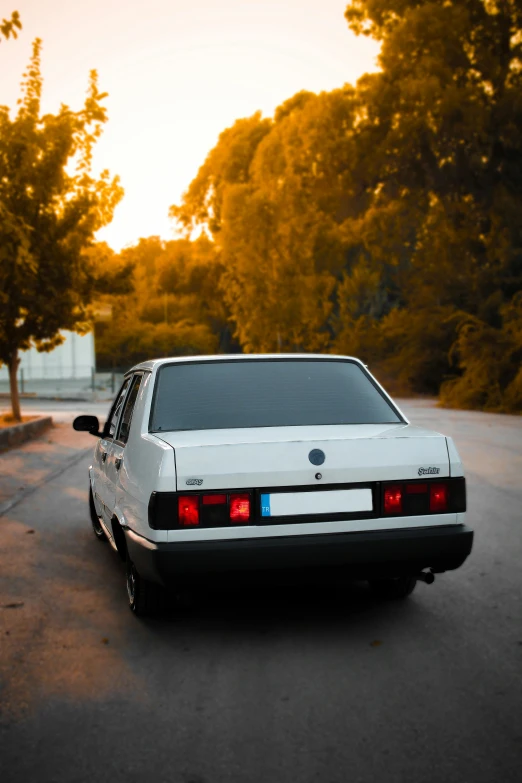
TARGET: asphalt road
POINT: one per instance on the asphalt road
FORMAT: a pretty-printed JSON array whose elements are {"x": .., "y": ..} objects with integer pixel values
[{"x": 266, "y": 687}]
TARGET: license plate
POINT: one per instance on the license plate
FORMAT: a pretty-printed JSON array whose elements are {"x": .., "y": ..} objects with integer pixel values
[{"x": 337, "y": 501}]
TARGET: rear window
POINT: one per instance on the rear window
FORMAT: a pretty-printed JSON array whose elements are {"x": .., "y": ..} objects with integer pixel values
[{"x": 266, "y": 393}]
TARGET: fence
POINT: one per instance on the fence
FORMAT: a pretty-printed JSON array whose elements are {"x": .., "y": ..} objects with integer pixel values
[{"x": 87, "y": 385}]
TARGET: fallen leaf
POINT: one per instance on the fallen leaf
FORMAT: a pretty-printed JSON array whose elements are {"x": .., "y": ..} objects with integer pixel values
[
  {"x": 15, "y": 605},
  {"x": 29, "y": 531},
  {"x": 375, "y": 643},
  {"x": 105, "y": 640}
]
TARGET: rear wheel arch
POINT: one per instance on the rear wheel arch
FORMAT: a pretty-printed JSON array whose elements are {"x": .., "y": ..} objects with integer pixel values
[
  {"x": 95, "y": 519},
  {"x": 119, "y": 538}
]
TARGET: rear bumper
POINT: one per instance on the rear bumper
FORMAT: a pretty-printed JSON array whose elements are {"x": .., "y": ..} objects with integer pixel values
[{"x": 362, "y": 555}]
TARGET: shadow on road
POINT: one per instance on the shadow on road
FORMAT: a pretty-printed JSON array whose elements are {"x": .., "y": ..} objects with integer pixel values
[{"x": 283, "y": 611}]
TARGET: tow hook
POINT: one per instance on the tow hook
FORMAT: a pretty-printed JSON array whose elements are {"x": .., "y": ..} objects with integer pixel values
[{"x": 428, "y": 577}]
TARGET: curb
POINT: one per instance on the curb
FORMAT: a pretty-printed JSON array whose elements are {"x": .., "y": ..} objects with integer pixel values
[{"x": 19, "y": 433}]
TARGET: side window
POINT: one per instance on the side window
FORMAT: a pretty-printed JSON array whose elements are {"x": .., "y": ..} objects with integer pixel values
[
  {"x": 113, "y": 421},
  {"x": 125, "y": 421}
]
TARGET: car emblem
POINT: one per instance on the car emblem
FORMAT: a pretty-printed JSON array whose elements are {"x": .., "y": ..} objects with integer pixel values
[
  {"x": 316, "y": 457},
  {"x": 191, "y": 482},
  {"x": 428, "y": 471}
]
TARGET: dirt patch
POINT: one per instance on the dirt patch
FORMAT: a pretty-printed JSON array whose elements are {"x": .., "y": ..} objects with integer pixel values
[
  {"x": 28, "y": 464},
  {"x": 7, "y": 420},
  {"x": 58, "y": 636}
]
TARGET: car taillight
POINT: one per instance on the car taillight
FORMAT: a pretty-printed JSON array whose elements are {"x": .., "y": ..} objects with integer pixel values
[
  {"x": 214, "y": 500},
  {"x": 416, "y": 489},
  {"x": 240, "y": 508},
  {"x": 188, "y": 510},
  {"x": 438, "y": 497},
  {"x": 393, "y": 500}
]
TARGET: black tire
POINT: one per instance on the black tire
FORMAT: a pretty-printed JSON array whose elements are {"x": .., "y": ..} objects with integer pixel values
[
  {"x": 392, "y": 589},
  {"x": 146, "y": 599},
  {"x": 95, "y": 521}
]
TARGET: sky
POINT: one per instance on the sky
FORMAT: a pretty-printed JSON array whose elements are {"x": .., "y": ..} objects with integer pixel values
[{"x": 177, "y": 73}]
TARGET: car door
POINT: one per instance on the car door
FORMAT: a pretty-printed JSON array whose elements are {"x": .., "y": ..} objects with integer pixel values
[
  {"x": 104, "y": 451},
  {"x": 115, "y": 458}
]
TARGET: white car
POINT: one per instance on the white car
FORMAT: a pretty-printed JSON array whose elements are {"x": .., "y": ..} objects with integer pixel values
[{"x": 254, "y": 463}]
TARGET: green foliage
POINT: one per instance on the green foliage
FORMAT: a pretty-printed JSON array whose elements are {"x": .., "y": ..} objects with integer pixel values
[
  {"x": 176, "y": 307},
  {"x": 384, "y": 220},
  {"x": 130, "y": 342},
  {"x": 265, "y": 193},
  {"x": 444, "y": 123},
  {"x": 50, "y": 208},
  {"x": 227, "y": 164},
  {"x": 10, "y": 27},
  {"x": 490, "y": 361}
]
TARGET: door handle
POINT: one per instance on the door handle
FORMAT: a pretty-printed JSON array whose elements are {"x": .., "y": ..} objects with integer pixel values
[
  {"x": 117, "y": 463},
  {"x": 104, "y": 456}
]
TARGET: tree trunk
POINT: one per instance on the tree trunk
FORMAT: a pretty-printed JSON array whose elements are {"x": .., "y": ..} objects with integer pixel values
[{"x": 13, "y": 385}]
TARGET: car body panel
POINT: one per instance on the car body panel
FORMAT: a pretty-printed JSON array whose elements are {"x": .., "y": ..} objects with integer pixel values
[
  {"x": 264, "y": 457},
  {"x": 144, "y": 461},
  {"x": 101, "y": 453},
  {"x": 456, "y": 466},
  {"x": 279, "y": 456},
  {"x": 311, "y": 528}
]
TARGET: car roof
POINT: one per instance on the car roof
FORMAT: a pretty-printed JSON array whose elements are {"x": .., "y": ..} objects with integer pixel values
[{"x": 153, "y": 364}]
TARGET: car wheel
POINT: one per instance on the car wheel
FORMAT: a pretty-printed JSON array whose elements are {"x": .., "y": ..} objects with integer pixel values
[
  {"x": 145, "y": 598},
  {"x": 96, "y": 525},
  {"x": 400, "y": 587}
]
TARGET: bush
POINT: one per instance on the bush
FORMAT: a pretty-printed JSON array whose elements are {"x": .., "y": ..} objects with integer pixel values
[
  {"x": 130, "y": 343},
  {"x": 491, "y": 377}
]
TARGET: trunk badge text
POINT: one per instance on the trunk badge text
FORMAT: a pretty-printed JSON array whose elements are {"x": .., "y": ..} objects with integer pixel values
[
  {"x": 191, "y": 482},
  {"x": 428, "y": 471}
]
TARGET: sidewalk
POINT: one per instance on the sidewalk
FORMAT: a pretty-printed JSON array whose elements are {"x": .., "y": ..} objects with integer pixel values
[{"x": 24, "y": 469}]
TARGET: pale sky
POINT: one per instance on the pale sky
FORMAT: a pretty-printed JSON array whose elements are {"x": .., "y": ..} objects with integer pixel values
[{"x": 177, "y": 72}]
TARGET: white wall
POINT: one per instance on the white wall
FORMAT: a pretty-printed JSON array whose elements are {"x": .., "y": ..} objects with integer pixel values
[{"x": 73, "y": 359}]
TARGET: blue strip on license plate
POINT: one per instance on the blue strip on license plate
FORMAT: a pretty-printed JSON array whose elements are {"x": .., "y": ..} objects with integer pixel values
[{"x": 265, "y": 505}]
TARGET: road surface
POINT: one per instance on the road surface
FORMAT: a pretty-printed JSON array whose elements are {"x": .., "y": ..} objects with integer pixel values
[{"x": 266, "y": 687}]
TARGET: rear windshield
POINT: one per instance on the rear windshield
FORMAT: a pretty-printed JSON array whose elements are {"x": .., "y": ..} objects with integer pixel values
[{"x": 265, "y": 393}]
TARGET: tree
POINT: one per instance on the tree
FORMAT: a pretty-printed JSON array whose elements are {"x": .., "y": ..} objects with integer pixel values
[
  {"x": 440, "y": 141},
  {"x": 10, "y": 26},
  {"x": 384, "y": 220},
  {"x": 176, "y": 306},
  {"x": 227, "y": 164},
  {"x": 51, "y": 205},
  {"x": 273, "y": 193}
]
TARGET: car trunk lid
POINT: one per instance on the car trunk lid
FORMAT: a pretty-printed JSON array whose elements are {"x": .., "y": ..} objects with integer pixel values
[{"x": 293, "y": 456}]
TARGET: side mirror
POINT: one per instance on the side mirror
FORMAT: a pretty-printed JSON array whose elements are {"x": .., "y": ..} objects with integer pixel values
[{"x": 87, "y": 424}]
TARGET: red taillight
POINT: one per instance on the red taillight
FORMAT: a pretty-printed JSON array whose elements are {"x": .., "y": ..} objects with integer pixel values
[
  {"x": 393, "y": 500},
  {"x": 214, "y": 500},
  {"x": 416, "y": 489},
  {"x": 239, "y": 508},
  {"x": 438, "y": 497},
  {"x": 188, "y": 510}
]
